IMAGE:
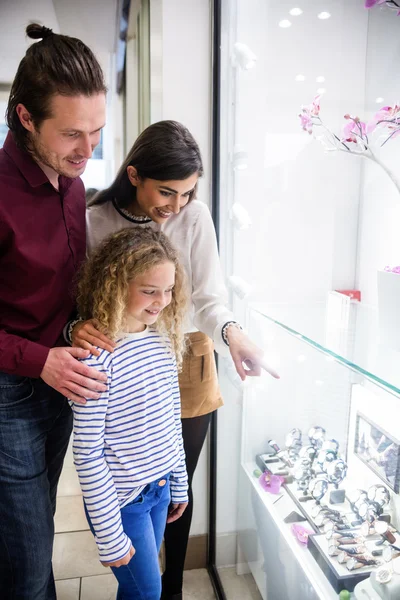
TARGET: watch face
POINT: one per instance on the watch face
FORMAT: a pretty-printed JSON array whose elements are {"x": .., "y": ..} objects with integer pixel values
[
  {"x": 330, "y": 534},
  {"x": 379, "y": 494},
  {"x": 318, "y": 488},
  {"x": 329, "y": 527},
  {"x": 320, "y": 520},
  {"x": 302, "y": 469},
  {"x": 383, "y": 575},
  {"x": 342, "y": 557},
  {"x": 293, "y": 438},
  {"x": 367, "y": 512},
  {"x": 387, "y": 553},
  {"x": 316, "y": 510},
  {"x": 381, "y": 527},
  {"x": 364, "y": 529},
  {"x": 357, "y": 497},
  {"x": 351, "y": 564},
  {"x": 308, "y": 452},
  {"x": 336, "y": 470},
  {"x": 331, "y": 445},
  {"x": 324, "y": 457},
  {"x": 316, "y": 435},
  {"x": 332, "y": 550}
]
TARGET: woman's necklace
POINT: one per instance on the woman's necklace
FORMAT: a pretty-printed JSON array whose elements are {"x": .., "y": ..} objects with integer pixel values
[{"x": 142, "y": 219}]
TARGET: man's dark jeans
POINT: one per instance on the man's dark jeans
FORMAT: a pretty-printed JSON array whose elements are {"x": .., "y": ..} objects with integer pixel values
[{"x": 35, "y": 426}]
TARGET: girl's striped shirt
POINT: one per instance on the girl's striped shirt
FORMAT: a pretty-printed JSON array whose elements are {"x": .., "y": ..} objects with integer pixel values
[{"x": 130, "y": 436}]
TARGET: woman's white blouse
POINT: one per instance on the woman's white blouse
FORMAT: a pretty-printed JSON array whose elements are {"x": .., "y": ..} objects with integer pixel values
[{"x": 193, "y": 235}]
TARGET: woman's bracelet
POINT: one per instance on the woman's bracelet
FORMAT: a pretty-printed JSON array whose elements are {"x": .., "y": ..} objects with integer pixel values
[
  {"x": 225, "y": 330},
  {"x": 70, "y": 328}
]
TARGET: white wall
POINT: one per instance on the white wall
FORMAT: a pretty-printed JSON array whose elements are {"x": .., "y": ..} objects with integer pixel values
[
  {"x": 181, "y": 84},
  {"x": 379, "y": 240},
  {"x": 186, "y": 74}
]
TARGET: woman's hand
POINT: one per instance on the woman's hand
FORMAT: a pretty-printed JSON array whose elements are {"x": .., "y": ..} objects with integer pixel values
[
  {"x": 175, "y": 511},
  {"x": 243, "y": 351},
  {"x": 122, "y": 561},
  {"x": 86, "y": 335}
]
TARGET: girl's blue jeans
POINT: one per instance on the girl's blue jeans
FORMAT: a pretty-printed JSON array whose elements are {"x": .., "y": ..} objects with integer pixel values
[{"x": 143, "y": 521}]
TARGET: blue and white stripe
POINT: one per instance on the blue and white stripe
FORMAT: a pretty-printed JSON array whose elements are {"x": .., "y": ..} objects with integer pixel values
[{"x": 130, "y": 436}]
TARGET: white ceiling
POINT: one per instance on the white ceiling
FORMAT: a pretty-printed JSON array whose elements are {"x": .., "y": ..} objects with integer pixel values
[{"x": 93, "y": 21}]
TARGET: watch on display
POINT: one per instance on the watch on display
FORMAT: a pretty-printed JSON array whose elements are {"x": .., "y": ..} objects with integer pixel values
[
  {"x": 316, "y": 435},
  {"x": 302, "y": 473},
  {"x": 309, "y": 452},
  {"x": 332, "y": 445},
  {"x": 380, "y": 494},
  {"x": 293, "y": 443},
  {"x": 336, "y": 471},
  {"x": 324, "y": 457},
  {"x": 367, "y": 512},
  {"x": 357, "y": 497},
  {"x": 357, "y": 562},
  {"x": 384, "y": 574},
  {"x": 318, "y": 489}
]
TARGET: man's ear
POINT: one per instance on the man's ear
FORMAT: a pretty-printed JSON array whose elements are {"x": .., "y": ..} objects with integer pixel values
[
  {"x": 25, "y": 117},
  {"x": 133, "y": 175}
]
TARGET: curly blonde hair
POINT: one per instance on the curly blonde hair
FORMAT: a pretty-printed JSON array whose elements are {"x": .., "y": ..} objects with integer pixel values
[{"x": 103, "y": 285}]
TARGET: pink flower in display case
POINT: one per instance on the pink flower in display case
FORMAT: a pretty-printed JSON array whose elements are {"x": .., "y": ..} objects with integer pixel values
[
  {"x": 392, "y": 269},
  {"x": 357, "y": 136},
  {"x": 393, "y": 4}
]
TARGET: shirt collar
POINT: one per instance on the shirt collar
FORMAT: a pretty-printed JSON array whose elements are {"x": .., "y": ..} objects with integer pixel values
[{"x": 28, "y": 166}]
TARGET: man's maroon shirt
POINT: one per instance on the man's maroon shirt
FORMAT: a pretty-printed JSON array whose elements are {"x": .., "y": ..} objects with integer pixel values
[{"x": 42, "y": 244}]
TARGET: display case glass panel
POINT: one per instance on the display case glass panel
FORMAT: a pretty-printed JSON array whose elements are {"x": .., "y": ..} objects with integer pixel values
[{"x": 296, "y": 224}]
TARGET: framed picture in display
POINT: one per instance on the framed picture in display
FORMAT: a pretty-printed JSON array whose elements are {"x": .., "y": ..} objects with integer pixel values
[{"x": 379, "y": 450}]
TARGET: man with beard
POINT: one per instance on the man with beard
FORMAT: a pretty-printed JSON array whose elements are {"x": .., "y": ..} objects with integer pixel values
[{"x": 55, "y": 114}]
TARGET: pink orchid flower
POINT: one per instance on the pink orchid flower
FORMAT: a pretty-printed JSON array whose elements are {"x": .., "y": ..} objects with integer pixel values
[
  {"x": 371, "y": 3},
  {"x": 306, "y": 122},
  {"x": 307, "y": 114},
  {"x": 387, "y": 116},
  {"x": 314, "y": 107},
  {"x": 353, "y": 130},
  {"x": 391, "y": 3}
]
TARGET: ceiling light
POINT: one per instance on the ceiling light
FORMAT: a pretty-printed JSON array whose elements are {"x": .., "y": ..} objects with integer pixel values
[
  {"x": 295, "y": 12},
  {"x": 285, "y": 23},
  {"x": 379, "y": 100},
  {"x": 324, "y": 15},
  {"x": 300, "y": 77},
  {"x": 320, "y": 79},
  {"x": 243, "y": 56},
  {"x": 321, "y": 90}
]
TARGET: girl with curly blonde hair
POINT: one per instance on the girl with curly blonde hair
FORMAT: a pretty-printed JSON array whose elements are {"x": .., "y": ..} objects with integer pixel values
[{"x": 128, "y": 448}]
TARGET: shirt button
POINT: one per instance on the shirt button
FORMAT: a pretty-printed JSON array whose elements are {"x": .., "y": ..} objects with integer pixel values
[{"x": 162, "y": 482}]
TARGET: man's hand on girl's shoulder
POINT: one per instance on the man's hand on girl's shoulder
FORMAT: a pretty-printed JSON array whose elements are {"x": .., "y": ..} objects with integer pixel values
[{"x": 86, "y": 335}]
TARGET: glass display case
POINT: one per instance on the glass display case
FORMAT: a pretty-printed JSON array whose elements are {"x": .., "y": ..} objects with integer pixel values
[
  {"x": 295, "y": 224},
  {"x": 318, "y": 507}
]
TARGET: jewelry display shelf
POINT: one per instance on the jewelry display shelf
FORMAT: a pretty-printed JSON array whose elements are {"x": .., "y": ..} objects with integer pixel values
[
  {"x": 279, "y": 507},
  {"x": 336, "y": 377},
  {"x": 337, "y": 574}
]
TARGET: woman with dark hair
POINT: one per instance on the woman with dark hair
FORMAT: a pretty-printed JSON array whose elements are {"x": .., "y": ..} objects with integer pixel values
[{"x": 156, "y": 186}]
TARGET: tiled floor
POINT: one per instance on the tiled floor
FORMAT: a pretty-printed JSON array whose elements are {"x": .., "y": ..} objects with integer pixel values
[{"x": 79, "y": 574}]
